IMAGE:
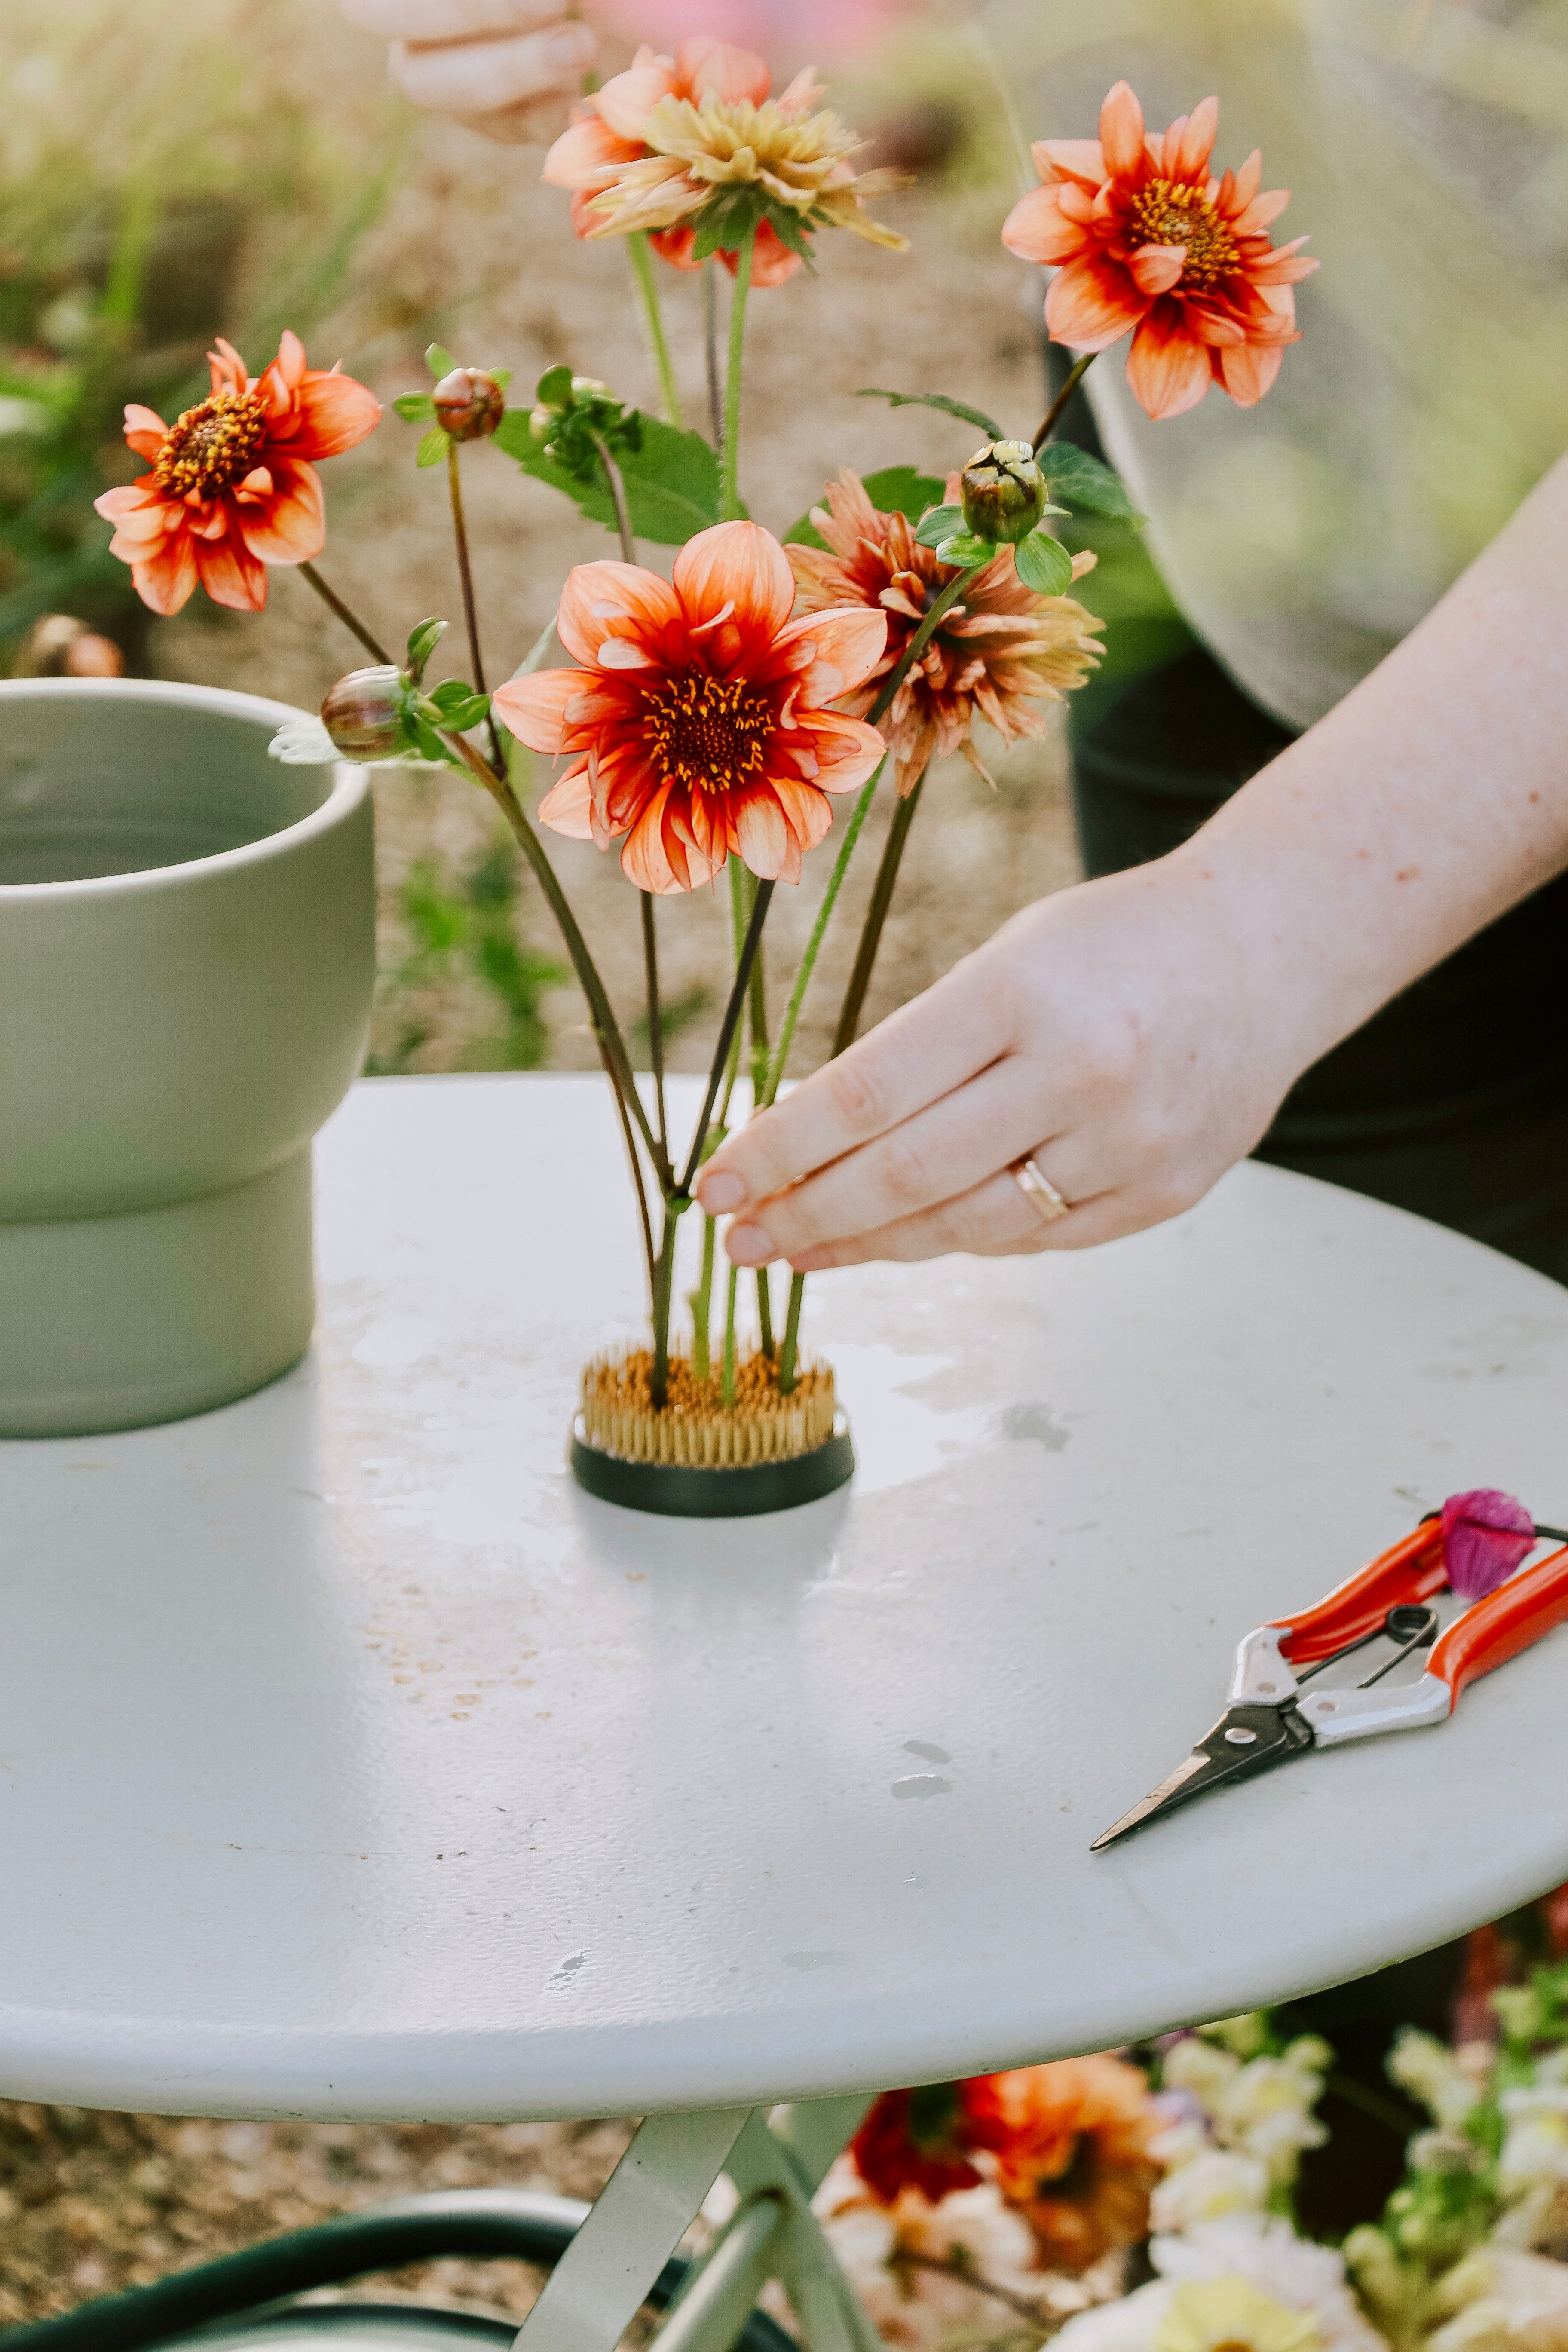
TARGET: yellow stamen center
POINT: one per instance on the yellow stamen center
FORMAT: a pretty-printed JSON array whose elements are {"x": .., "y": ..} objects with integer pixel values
[
  {"x": 1173, "y": 212},
  {"x": 212, "y": 446},
  {"x": 707, "y": 733}
]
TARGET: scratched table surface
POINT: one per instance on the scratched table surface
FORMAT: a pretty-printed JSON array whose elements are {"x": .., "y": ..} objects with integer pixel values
[{"x": 353, "y": 1763}]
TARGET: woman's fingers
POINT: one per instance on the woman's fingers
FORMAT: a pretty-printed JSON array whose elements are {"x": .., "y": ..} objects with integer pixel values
[
  {"x": 915, "y": 1058},
  {"x": 995, "y": 1220},
  {"x": 481, "y": 77},
  {"x": 452, "y": 20},
  {"x": 940, "y": 1154}
]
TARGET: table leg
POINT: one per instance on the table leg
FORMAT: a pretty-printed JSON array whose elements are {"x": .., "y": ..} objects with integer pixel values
[{"x": 656, "y": 2193}]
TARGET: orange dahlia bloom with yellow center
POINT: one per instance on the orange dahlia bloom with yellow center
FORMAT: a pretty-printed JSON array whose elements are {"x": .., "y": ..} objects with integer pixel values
[
  {"x": 700, "y": 721},
  {"x": 233, "y": 487},
  {"x": 1002, "y": 654},
  {"x": 1144, "y": 237}
]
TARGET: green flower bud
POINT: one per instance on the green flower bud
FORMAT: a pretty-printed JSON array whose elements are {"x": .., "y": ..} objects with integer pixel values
[
  {"x": 364, "y": 714},
  {"x": 470, "y": 404},
  {"x": 1004, "y": 492}
]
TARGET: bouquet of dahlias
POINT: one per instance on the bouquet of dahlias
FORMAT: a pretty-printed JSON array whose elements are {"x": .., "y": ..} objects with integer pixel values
[
  {"x": 710, "y": 719},
  {"x": 1156, "y": 2206}
]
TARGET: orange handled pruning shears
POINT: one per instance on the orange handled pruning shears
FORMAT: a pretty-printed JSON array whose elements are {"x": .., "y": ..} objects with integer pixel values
[{"x": 1270, "y": 1716}]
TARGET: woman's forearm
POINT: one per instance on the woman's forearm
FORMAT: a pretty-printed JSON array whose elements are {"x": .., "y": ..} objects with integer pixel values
[{"x": 1430, "y": 800}]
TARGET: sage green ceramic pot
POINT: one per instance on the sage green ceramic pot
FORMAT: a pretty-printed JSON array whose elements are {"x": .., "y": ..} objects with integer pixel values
[{"x": 187, "y": 948}]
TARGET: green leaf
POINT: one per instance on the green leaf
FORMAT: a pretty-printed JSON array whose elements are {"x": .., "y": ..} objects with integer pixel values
[
  {"x": 430, "y": 744},
  {"x": 988, "y": 425},
  {"x": 1044, "y": 564},
  {"x": 422, "y": 640},
  {"x": 501, "y": 376},
  {"x": 786, "y": 223},
  {"x": 672, "y": 481},
  {"x": 414, "y": 407},
  {"x": 725, "y": 224},
  {"x": 553, "y": 389},
  {"x": 939, "y": 525},
  {"x": 439, "y": 359},
  {"x": 964, "y": 550},
  {"x": 1072, "y": 474},
  {"x": 896, "y": 489},
  {"x": 459, "y": 715},
  {"x": 433, "y": 448}
]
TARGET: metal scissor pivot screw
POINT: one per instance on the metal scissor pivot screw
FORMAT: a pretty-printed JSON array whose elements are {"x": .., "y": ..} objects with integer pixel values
[{"x": 1239, "y": 1738}]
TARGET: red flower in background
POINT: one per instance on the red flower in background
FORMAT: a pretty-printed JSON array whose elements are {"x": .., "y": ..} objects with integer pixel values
[
  {"x": 1067, "y": 2143},
  {"x": 607, "y": 133},
  {"x": 233, "y": 487},
  {"x": 1144, "y": 238}
]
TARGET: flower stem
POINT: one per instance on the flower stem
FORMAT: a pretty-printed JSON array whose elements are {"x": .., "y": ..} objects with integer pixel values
[
  {"x": 876, "y": 915},
  {"x": 617, "y": 487},
  {"x": 655, "y": 1013},
  {"x": 727, "y": 1383},
  {"x": 1076, "y": 374},
  {"x": 702, "y": 1301},
  {"x": 790, "y": 1349},
  {"x": 471, "y": 612},
  {"x": 710, "y": 349},
  {"x": 653, "y": 326},
  {"x": 779, "y": 1057},
  {"x": 931, "y": 620},
  {"x": 664, "y": 1277},
  {"x": 334, "y": 603},
  {"x": 728, "y": 1027},
  {"x": 730, "y": 455}
]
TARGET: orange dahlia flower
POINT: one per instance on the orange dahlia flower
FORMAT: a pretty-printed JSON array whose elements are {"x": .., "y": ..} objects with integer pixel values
[
  {"x": 232, "y": 488},
  {"x": 1001, "y": 653},
  {"x": 1145, "y": 239},
  {"x": 607, "y": 132},
  {"x": 699, "y": 723},
  {"x": 1070, "y": 2142}
]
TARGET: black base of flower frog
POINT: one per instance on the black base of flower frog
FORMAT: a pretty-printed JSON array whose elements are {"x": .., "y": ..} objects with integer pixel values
[{"x": 674, "y": 1490}]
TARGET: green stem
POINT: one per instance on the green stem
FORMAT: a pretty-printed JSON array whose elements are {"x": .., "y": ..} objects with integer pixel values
[
  {"x": 1076, "y": 374},
  {"x": 655, "y": 1015},
  {"x": 617, "y": 489},
  {"x": 876, "y": 915},
  {"x": 764, "y": 1311},
  {"x": 702, "y": 1301},
  {"x": 935, "y": 617},
  {"x": 334, "y": 603},
  {"x": 730, "y": 455},
  {"x": 653, "y": 326},
  {"x": 728, "y": 1029},
  {"x": 779, "y": 1058},
  {"x": 663, "y": 1278},
  {"x": 727, "y": 1385},
  {"x": 471, "y": 610},
  {"x": 788, "y": 1352},
  {"x": 710, "y": 350}
]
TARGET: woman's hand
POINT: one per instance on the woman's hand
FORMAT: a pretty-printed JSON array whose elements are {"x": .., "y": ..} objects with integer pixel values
[
  {"x": 1116, "y": 1034},
  {"x": 508, "y": 68}
]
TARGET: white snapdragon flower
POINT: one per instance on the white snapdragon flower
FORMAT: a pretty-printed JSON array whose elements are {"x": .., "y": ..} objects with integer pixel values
[
  {"x": 1201, "y": 2067},
  {"x": 1429, "y": 2071},
  {"x": 1265, "y": 2251},
  {"x": 1503, "y": 2300},
  {"x": 1535, "y": 2143},
  {"x": 1214, "y": 2180}
]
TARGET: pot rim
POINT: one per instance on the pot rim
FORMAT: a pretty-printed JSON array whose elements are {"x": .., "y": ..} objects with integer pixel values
[{"x": 350, "y": 784}]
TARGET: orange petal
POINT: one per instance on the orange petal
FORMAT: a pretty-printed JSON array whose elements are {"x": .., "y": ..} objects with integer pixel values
[
  {"x": 1261, "y": 213},
  {"x": 1036, "y": 230},
  {"x": 807, "y": 813},
  {"x": 847, "y": 749},
  {"x": 231, "y": 574},
  {"x": 589, "y": 154},
  {"x": 1189, "y": 142},
  {"x": 1080, "y": 160},
  {"x": 1247, "y": 370},
  {"x": 802, "y": 93},
  {"x": 736, "y": 563},
  {"x": 534, "y": 708},
  {"x": 228, "y": 368},
  {"x": 1121, "y": 134},
  {"x": 704, "y": 65},
  {"x": 628, "y": 98},
  {"x": 1155, "y": 268},
  {"x": 762, "y": 835},
  {"x": 144, "y": 429},
  {"x": 129, "y": 499},
  {"x": 1249, "y": 180},
  {"x": 1167, "y": 370},
  {"x": 673, "y": 244},
  {"x": 331, "y": 413},
  {"x": 645, "y": 859},
  {"x": 1091, "y": 303},
  {"x": 567, "y": 807},
  {"x": 848, "y": 642},
  {"x": 165, "y": 581},
  {"x": 614, "y": 600},
  {"x": 771, "y": 260},
  {"x": 290, "y": 526}
]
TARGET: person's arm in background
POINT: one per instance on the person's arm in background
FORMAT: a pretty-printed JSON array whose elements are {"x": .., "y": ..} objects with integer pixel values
[
  {"x": 508, "y": 68},
  {"x": 1135, "y": 1034}
]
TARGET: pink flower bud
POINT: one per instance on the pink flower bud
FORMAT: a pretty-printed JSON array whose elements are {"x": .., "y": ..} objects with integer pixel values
[
  {"x": 364, "y": 714},
  {"x": 1486, "y": 1534},
  {"x": 468, "y": 403}
]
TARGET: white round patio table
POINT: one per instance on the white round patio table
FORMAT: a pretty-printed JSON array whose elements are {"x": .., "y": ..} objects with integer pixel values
[{"x": 354, "y": 1763}]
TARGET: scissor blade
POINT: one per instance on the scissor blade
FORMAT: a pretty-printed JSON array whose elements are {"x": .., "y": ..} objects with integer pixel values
[{"x": 1273, "y": 1733}]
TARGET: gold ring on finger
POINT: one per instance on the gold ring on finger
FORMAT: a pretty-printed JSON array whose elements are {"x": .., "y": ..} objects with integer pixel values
[{"x": 1039, "y": 1192}]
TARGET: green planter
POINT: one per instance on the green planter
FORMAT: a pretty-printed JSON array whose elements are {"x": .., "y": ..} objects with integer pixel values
[{"x": 187, "y": 948}]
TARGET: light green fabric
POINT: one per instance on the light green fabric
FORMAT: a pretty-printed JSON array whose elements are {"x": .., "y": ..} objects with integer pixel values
[{"x": 1426, "y": 143}]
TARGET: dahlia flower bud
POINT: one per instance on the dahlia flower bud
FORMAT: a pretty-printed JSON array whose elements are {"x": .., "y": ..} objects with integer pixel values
[
  {"x": 364, "y": 714},
  {"x": 470, "y": 404},
  {"x": 1004, "y": 492}
]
